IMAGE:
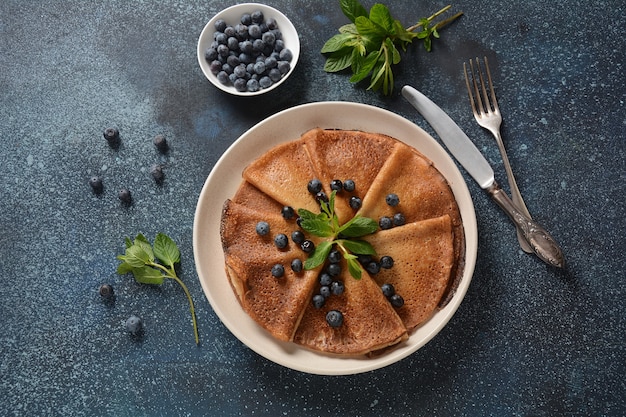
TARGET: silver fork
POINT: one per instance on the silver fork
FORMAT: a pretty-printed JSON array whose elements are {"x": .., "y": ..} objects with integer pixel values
[{"x": 487, "y": 114}]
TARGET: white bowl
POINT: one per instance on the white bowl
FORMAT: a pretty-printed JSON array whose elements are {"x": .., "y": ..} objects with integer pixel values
[{"x": 232, "y": 16}]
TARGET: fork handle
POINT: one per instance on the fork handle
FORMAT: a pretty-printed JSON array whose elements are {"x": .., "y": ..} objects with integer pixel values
[
  {"x": 543, "y": 245},
  {"x": 516, "y": 196}
]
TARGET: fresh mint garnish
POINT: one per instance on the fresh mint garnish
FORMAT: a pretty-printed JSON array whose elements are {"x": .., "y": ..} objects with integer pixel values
[
  {"x": 371, "y": 44},
  {"x": 326, "y": 225},
  {"x": 152, "y": 264}
]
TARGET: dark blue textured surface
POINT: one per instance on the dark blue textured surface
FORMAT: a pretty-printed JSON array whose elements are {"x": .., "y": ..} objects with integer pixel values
[{"x": 526, "y": 341}]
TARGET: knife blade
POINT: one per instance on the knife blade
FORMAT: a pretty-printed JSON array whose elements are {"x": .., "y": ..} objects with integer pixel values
[{"x": 466, "y": 153}]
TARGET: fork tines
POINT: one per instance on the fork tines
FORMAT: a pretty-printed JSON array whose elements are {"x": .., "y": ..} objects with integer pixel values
[{"x": 477, "y": 85}]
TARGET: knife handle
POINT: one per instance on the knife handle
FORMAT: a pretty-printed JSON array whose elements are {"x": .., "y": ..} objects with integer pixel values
[{"x": 544, "y": 246}]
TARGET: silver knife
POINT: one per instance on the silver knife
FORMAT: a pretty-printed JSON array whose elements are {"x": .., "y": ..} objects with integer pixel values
[{"x": 464, "y": 150}]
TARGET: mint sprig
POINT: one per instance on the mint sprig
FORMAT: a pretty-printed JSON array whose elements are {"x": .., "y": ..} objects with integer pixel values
[
  {"x": 152, "y": 264},
  {"x": 326, "y": 225},
  {"x": 371, "y": 44}
]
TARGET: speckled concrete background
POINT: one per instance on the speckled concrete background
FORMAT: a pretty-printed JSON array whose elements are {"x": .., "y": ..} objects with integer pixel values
[{"x": 526, "y": 341}]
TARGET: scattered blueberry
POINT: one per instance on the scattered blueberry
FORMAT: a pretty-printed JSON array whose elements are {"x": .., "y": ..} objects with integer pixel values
[
  {"x": 321, "y": 197},
  {"x": 96, "y": 185},
  {"x": 385, "y": 223},
  {"x": 334, "y": 256},
  {"x": 288, "y": 212},
  {"x": 314, "y": 186},
  {"x": 297, "y": 237},
  {"x": 296, "y": 265},
  {"x": 157, "y": 173},
  {"x": 307, "y": 246},
  {"x": 388, "y": 290},
  {"x": 386, "y": 262},
  {"x": 334, "y": 318},
  {"x": 281, "y": 241},
  {"x": 325, "y": 279},
  {"x": 355, "y": 202},
  {"x": 325, "y": 291},
  {"x": 318, "y": 301},
  {"x": 336, "y": 185},
  {"x": 398, "y": 219},
  {"x": 364, "y": 259},
  {"x": 337, "y": 287},
  {"x": 134, "y": 325},
  {"x": 112, "y": 135},
  {"x": 125, "y": 196},
  {"x": 161, "y": 143},
  {"x": 334, "y": 269},
  {"x": 373, "y": 267},
  {"x": 349, "y": 185},
  {"x": 392, "y": 199},
  {"x": 278, "y": 271},
  {"x": 262, "y": 228},
  {"x": 106, "y": 291},
  {"x": 396, "y": 300}
]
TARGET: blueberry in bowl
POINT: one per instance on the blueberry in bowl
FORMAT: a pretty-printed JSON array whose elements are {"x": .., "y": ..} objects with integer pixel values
[{"x": 248, "y": 49}]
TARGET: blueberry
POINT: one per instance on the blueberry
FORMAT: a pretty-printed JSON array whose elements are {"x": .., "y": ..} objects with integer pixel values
[
  {"x": 161, "y": 143},
  {"x": 385, "y": 223},
  {"x": 373, "y": 267},
  {"x": 230, "y": 31},
  {"x": 281, "y": 241},
  {"x": 220, "y": 38},
  {"x": 396, "y": 300},
  {"x": 240, "y": 84},
  {"x": 269, "y": 38},
  {"x": 246, "y": 19},
  {"x": 386, "y": 262},
  {"x": 296, "y": 265},
  {"x": 259, "y": 67},
  {"x": 266, "y": 82},
  {"x": 364, "y": 259},
  {"x": 240, "y": 71},
  {"x": 232, "y": 43},
  {"x": 125, "y": 196},
  {"x": 355, "y": 202},
  {"x": 106, "y": 291},
  {"x": 325, "y": 291},
  {"x": 321, "y": 197},
  {"x": 245, "y": 47},
  {"x": 314, "y": 186},
  {"x": 334, "y": 256},
  {"x": 325, "y": 279},
  {"x": 388, "y": 290},
  {"x": 271, "y": 23},
  {"x": 279, "y": 45},
  {"x": 134, "y": 325},
  {"x": 270, "y": 63},
  {"x": 349, "y": 185},
  {"x": 157, "y": 173},
  {"x": 286, "y": 55},
  {"x": 284, "y": 67},
  {"x": 334, "y": 269},
  {"x": 307, "y": 246},
  {"x": 223, "y": 51},
  {"x": 258, "y": 45},
  {"x": 256, "y": 16},
  {"x": 398, "y": 219},
  {"x": 253, "y": 85},
  {"x": 262, "y": 228},
  {"x": 210, "y": 54},
  {"x": 334, "y": 318},
  {"x": 318, "y": 301},
  {"x": 288, "y": 212},
  {"x": 337, "y": 288},
  {"x": 336, "y": 185},
  {"x": 254, "y": 31},
  {"x": 222, "y": 77},
  {"x": 392, "y": 199},
  {"x": 241, "y": 31},
  {"x": 274, "y": 74},
  {"x": 96, "y": 185},
  {"x": 297, "y": 237},
  {"x": 111, "y": 134},
  {"x": 215, "y": 66},
  {"x": 278, "y": 271},
  {"x": 220, "y": 25}
]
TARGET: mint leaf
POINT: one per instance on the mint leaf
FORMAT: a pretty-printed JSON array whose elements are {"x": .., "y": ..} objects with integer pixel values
[
  {"x": 360, "y": 247},
  {"x": 337, "y": 42},
  {"x": 148, "y": 275},
  {"x": 317, "y": 227},
  {"x": 339, "y": 60},
  {"x": 354, "y": 268},
  {"x": 319, "y": 255},
  {"x": 166, "y": 250},
  {"x": 358, "y": 226},
  {"x": 380, "y": 15},
  {"x": 352, "y": 9}
]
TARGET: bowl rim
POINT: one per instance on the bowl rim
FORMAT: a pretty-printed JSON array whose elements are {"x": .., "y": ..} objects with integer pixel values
[{"x": 285, "y": 25}]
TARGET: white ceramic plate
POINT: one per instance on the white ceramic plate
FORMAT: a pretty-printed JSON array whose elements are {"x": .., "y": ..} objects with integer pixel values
[{"x": 224, "y": 180}]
